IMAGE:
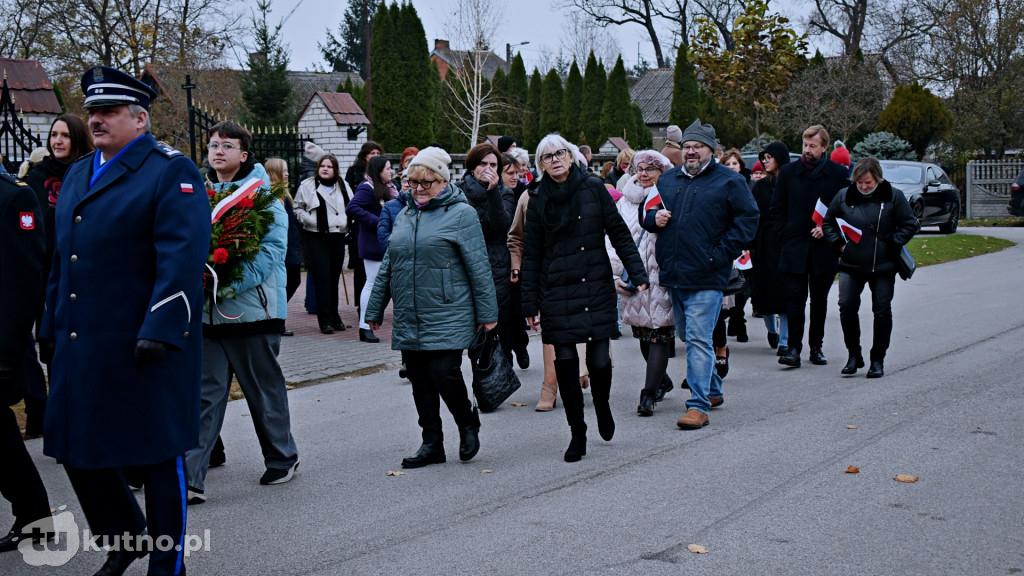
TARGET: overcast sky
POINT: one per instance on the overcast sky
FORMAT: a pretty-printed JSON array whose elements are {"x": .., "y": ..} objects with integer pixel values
[{"x": 533, "y": 21}]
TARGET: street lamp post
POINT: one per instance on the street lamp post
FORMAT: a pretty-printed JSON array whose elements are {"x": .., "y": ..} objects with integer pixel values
[{"x": 508, "y": 51}]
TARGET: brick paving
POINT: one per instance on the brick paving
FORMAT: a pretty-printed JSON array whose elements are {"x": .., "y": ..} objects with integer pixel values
[{"x": 310, "y": 356}]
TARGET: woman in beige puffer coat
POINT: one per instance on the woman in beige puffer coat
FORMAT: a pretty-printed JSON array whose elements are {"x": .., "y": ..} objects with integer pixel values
[{"x": 649, "y": 313}]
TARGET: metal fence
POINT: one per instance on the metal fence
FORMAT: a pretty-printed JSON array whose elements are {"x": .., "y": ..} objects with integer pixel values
[
  {"x": 16, "y": 139},
  {"x": 988, "y": 186}
]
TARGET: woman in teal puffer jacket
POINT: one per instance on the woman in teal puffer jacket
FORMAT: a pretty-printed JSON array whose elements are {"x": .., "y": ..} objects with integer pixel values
[{"x": 437, "y": 272}]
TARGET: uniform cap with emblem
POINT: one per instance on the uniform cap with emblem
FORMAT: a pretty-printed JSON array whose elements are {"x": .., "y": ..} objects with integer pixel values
[{"x": 105, "y": 86}]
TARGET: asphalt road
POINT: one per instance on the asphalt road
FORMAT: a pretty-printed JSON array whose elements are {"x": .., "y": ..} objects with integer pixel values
[{"x": 763, "y": 488}]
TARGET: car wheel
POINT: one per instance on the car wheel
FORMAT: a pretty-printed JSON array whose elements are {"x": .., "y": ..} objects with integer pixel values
[
  {"x": 919, "y": 212},
  {"x": 954, "y": 220}
]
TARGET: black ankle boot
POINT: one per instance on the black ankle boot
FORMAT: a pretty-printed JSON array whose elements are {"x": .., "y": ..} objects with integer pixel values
[
  {"x": 646, "y": 407},
  {"x": 577, "y": 447},
  {"x": 665, "y": 388},
  {"x": 855, "y": 361},
  {"x": 469, "y": 438},
  {"x": 877, "y": 370},
  {"x": 429, "y": 453},
  {"x": 118, "y": 561}
]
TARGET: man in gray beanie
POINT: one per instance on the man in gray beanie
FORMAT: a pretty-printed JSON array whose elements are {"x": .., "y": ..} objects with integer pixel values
[{"x": 704, "y": 218}]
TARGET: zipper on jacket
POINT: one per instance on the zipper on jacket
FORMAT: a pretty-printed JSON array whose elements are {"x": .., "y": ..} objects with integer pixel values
[{"x": 878, "y": 230}]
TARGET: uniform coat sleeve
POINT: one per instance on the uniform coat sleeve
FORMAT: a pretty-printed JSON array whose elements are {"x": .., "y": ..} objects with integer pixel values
[{"x": 21, "y": 268}]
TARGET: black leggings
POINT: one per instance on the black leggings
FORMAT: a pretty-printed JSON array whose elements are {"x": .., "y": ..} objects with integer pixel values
[{"x": 598, "y": 354}]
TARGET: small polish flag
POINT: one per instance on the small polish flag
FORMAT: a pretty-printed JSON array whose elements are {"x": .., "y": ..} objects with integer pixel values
[
  {"x": 28, "y": 221},
  {"x": 653, "y": 201},
  {"x": 743, "y": 262},
  {"x": 851, "y": 232},
  {"x": 819, "y": 212},
  {"x": 186, "y": 188}
]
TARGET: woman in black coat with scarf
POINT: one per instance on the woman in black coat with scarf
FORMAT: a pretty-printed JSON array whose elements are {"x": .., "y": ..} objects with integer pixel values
[
  {"x": 567, "y": 278},
  {"x": 867, "y": 224},
  {"x": 495, "y": 205},
  {"x": 768, "y": 287}
]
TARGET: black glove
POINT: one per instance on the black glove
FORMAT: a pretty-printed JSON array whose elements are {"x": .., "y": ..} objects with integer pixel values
[
  {"x": 7, "y": 374},
  {"x": 46, "y": 350},
  {"x": 149, "y": 352}
]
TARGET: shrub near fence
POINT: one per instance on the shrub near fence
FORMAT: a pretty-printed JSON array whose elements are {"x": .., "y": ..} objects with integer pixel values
[{"x": 988, "y": 186}]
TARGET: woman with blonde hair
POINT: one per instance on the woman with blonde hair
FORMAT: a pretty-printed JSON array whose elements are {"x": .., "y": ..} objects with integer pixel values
[{"x": 277, "y": 169}]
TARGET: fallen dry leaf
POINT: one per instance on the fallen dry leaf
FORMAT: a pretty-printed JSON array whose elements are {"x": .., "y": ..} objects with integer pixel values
[
  {"x": 289, "y": 387},
  {"x": 518, "y": 404},
  {"x": 851, "y": 427},
  {"x": 486, "y": 471},
  {"x": 852, "y": 470},
  {"x": 396, "y": 473},
  {"x": 697, "y": 549},
  {"x": 905, "y": 478}
]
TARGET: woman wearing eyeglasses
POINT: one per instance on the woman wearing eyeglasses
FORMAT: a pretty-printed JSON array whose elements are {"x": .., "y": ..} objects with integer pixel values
[
  {"x": 320, "y": 209},
  {"x": 567, "y": 278},
  {"x": 436, "y": 271},
  {"x": 649, "y": 313}
]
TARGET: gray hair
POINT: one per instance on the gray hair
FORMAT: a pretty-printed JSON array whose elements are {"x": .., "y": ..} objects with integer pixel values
[
  {"x": 520, "y": 155},
  {"x": 555, "y": 142},
  {"x": 135, "y": 109}
]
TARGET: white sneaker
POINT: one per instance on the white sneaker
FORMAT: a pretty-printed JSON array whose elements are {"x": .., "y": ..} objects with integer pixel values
[{"x": 195, "y": 496}]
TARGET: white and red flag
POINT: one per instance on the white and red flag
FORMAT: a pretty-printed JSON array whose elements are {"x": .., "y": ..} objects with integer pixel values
[
  {"x": 743, "y": 262},
  {"x": 851, "y": 232},
  {"x": 653, "y": 200},
  {"x": 819, "y": 212}
]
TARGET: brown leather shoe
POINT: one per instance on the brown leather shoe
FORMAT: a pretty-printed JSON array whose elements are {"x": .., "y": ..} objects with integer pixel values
[
  {"x": 716, "y": 402},
  {"x": 694, "y": 420}
]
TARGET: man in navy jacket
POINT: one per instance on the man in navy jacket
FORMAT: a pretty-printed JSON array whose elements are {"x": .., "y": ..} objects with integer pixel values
[{"x": 704, "y": 214}]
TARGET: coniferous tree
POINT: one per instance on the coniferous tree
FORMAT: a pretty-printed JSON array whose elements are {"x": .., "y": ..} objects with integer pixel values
[
  {"x": 531, "y": 124},
  {"x": 641, "y": 138},
  {"x": 685, "y": 91},
  {"x": 915, "y": 115},
  {"x": 551, "y": 104},
  {"x": 594, "y": 80},
  {"x": 266, "y": 91},
  {"x": 346, "y": 52},
  {"x": 499, "y": 116},
  {"x": 403, "y": 100},
  {"x": 571, "y": 127},
  {"x": 356, "y": 91},
  {"x": 517, "y": 85},
  {"x": 616, "y": 116}
]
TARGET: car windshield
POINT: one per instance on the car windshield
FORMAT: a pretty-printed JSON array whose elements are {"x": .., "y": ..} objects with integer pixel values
[{"x": 899, "y": 174}]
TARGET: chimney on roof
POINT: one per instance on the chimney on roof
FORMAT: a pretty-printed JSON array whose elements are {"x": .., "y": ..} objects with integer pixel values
[{"x": 441, "y": 44}]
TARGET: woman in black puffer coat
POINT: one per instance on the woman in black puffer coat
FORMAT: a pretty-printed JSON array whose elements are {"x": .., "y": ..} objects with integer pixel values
[
  {"x": 495, "y": 205},
  {"x": 567, "y": 278},
  {"x": 768, "y": 287},
  {"x": 882, "y": 218}
]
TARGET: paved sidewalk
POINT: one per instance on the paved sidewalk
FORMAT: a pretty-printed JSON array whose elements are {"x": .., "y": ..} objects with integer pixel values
[{"x": 310, "y": 356}]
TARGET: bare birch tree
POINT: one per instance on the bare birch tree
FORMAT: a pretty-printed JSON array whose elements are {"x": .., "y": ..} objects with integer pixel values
[{"x": 474, "y": 26}]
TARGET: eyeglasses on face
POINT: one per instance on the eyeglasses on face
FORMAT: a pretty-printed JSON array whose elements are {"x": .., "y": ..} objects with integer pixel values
[
  {"x": 559, "y": 154},
  {"x": 226, "y": 146},
  {"x": 647, "y": 169},
  {"x": 694, "y": 148},
  {"x": 425, "y": 184}
]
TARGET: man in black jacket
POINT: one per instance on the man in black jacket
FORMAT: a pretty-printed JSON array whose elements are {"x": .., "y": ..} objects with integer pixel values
[{"x": 802, "y": 194}]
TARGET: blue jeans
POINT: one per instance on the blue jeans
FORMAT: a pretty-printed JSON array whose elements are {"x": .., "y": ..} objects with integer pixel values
[
  {"x": 778, "y": 324},
  {"x": 696, "y": 313}
]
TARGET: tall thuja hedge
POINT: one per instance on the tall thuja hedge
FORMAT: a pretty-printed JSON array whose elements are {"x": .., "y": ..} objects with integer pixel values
[
  {"x": 551, "y": 104},
  {"x": 400, "y": 69},
  {"x": 641, "y": 137},
  {"x": 531, "y": 119},
  {"x": 594, "y": 80},
  {"x": 616, "y": 114},
  {"x": 685, "y": 91},
  {"x": 571, "y": 126}
]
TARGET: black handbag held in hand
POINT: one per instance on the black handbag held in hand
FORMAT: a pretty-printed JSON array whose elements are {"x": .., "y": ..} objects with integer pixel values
[{"x": 494, "y": 380}]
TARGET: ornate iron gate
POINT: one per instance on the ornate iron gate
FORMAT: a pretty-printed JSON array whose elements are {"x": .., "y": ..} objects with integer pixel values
[{"x": 16, "y": 139}]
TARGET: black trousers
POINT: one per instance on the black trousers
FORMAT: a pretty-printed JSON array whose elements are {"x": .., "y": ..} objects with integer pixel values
[
  {"x": 799, "y": 286},
  {"x": 294, "y": 279},
  {"x": 20, "y": 483},
  {"x": 325, "y": 257},
  {"x": 436, "y": 375},
  {"x": 851, "y": 284},
  {"x": 111, "y": 509}
]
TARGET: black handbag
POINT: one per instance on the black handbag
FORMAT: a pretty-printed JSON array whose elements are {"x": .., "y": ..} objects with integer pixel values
[
  {"x": 905, "y": 264},
  {"x": 737, "y": 282},
  {"x": 494, "y": 380}
]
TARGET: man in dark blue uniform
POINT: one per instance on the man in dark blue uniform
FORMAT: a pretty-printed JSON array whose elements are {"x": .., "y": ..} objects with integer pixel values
[
  {"x": 123, "y": 319},
  {"x": 21, "y": 281}
]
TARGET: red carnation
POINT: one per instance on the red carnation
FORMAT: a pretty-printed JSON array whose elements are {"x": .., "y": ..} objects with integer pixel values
[
  {"x": 245, "y": 202},
  {"x": 211, "y": 193},
  {"x": 220, "y": 256}
]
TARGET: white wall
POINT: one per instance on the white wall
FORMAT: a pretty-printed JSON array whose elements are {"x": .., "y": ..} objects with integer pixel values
[{"x": 325, "y": 131}]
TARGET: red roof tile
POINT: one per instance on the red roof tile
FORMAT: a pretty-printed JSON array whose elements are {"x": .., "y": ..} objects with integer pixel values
[
  {"x": 342, "y": 107},
  {"x": 30, "y": 86}
]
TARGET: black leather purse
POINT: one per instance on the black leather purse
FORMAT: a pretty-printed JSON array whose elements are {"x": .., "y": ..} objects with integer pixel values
[
  {"x": 494, "y": 380},
  {"x": 737, "y": 282},
  {"x": 905, "y": 264}
]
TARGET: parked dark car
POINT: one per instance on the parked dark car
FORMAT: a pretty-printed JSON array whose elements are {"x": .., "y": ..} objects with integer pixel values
[
  {"x": 932, "y": 196},
  {"x": 1016, "y": 206}
]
